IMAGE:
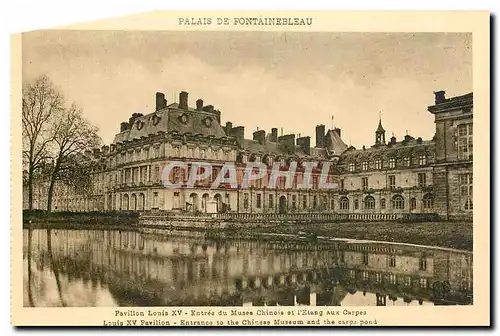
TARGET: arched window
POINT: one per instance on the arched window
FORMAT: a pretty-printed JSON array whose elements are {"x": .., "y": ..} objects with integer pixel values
[
  {"x": 413, "y": 203},
  {"x": 428, "y": 201},
  {"x": 356, "y": 204},
  {"x": 344, "y": 203},
  {"x": 382, "y": 203},
  {"x": 398, "y": 202},
  {"x": 369, "y": 203}
]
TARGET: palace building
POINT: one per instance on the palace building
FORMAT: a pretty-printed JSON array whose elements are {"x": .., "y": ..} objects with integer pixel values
[{"x": 410, "y": 175}]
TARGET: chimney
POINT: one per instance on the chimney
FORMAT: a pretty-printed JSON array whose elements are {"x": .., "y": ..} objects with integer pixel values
[
  {"x": 305, "y": 144},
  {"x": 338, "y": 131},
  {"x": 161, "y": 102},
  {"x": 408, "y": 138},
  {"x": 288, "y": 142},
  {"x": 123, "y": 126},
  {"x": 274, "y": 134},
  {"x": 260, "y": 136},
  {"x": 199, "y": 105},
  {"x": 320, "y": 136},
  {"x": 439, "y": 96},
  {"x": 229, "y": 128},
  {"x": 239, "y": 134},
  {"x": 183, "y": 100}
]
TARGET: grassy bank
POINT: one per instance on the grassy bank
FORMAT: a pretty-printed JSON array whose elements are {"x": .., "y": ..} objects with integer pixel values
[
  {"x": 456, "y": 235},
  {"x": 64, "y": 219}
]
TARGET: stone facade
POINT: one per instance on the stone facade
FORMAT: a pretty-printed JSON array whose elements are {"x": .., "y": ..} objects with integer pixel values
[
  {"x": 452, "y": 171},
  {"x": 407, "y": 176}
]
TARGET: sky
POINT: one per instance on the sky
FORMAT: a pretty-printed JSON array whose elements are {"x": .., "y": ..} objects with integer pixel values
[{"x": 293, "y": 80}]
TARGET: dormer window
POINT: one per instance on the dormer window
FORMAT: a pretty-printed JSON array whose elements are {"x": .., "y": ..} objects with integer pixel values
[
  {"x": 406, "y": 161},
  {"x": 257, "y": 159},
  {"x": 422, "y": 160},
  {"x": 378, "y": 164},
  {"x": 392, "y": 163},
  {"x": 364, "y": 165},
  {"x": 269, "y": 160},
  {"x": 244, "y": 158},
  {"x": 282, "y": 162},
  {"x": 352, "y": 166}
]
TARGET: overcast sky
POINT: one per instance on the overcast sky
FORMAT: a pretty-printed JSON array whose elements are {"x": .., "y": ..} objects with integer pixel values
[{"x": 289, "y": 80}]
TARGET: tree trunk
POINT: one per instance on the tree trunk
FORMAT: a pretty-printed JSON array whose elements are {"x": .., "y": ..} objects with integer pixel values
[
  {"x": 50, "y": 193},
  {"x": 30, "y": 189}
]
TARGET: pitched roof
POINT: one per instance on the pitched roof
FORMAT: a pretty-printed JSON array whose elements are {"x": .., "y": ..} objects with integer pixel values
[
  {"x": 380, "y": 129},
  {"x": 172, "y": 119}
]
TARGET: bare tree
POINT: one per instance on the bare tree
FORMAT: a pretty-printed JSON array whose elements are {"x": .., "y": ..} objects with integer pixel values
[
  {"x": 72, "y": 135},
  {"x": 41, "y": 100}
]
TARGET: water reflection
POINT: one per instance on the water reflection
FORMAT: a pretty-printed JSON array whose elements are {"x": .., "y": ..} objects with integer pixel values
[{"x": 120, "y": 268}]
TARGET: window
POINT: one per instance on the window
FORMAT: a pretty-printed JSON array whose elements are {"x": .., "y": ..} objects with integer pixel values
[
  {"x": 422, "y": 180},
  {"x": 413, "y": 204},
  {"x": 364, "y": 182},
  {"x": 422, "y": 160},
  {"x": 398, "y": 202},
  {"x": 392, "y": 181},
  {"x": 382, "y": 203},
  {"x": 271, "y": 201},
  {"x": 304, "y": 202},
  {"x": 356, "y": 204},
  {"x": 364, "y": 165},
  {"x": 392, "y": 279},
  {"x": 341, "y": 184},
  {"x": 270, "y": 161},
  {"x": 406, "y": 161},
  {"x": 258, "y": 201},
  {"x": 344, "y": 203},
  {"x": 423, "y": 282},
  {"x": 294, "y": 201},
  {"x": 464, "y": 141},
  {"x": 244, "y": 159},
  {"x": 392, "y": 163},
  {"x": 422, "y": 263},
  {"x": 466, "y": 191},
  {"x": 245, "y": 201},
  {"x": 428, "y": 201},
  {"x": 365, "y": 258},
  {"x": 392, "y": 261},
  {"x": 257, "y": 159},
  {"x": 315, "y": 201},
  {"x": 369, "y": 203},
  {"x": 352, "y": 167},
  {"x": 378, "y": 164},
  {"x": 332, "y": 204},
  {"x": 282, "y": 162},
  {"x": 156, "y": 175}
]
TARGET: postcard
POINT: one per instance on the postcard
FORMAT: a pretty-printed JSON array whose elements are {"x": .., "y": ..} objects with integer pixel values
[{"x": 252, "y": 169}]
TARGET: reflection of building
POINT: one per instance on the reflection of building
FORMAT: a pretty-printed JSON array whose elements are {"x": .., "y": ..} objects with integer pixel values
[
  {"x": 408, "y": 176},
  {"x": 194, "y": 271}
]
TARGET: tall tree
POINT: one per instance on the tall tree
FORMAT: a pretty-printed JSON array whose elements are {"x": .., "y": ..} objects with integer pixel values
[
  {"x": 41, "y": 100},
  {"x": 73, "y": 135}
]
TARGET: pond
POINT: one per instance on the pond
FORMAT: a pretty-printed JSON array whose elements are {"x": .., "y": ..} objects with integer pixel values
[{"x": 109, "y": 268}]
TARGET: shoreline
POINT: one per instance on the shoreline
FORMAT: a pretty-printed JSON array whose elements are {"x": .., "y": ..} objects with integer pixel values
[{"x": 452, "y": 235}]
